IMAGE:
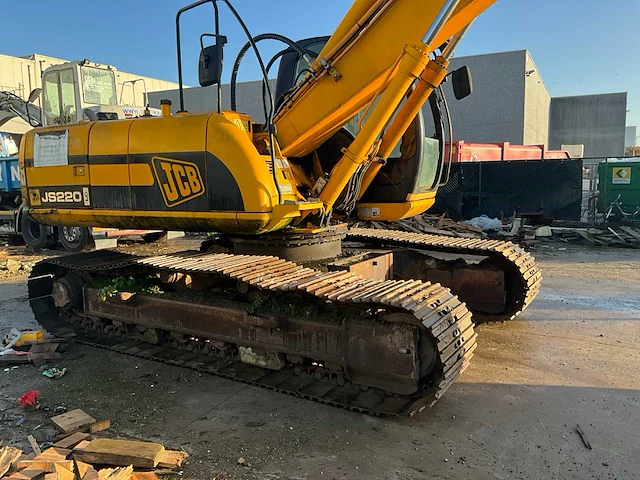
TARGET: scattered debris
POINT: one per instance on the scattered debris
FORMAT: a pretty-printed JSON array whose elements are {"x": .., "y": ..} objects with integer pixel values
[
  {"x": 583, "y": 436},
  {"x": 54, "y": 372},
  {"x": 73, "y": 463},
  {"x": 426, "y": 223},
  {"x": 29, "y": 400},
  {"x": 73, "y": 421},
  {"x": 242, "y": 461},
  {"x": 20, "y": 421},
  {"x": 34, "y": 444}
]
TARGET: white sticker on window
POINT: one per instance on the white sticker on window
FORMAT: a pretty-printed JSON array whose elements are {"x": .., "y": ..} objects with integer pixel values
[{"x": 51, "y": 148}]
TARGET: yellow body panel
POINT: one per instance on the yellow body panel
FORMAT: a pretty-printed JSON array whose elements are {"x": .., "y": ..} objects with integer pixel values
[
  {"x": 390, "y": 212},
  {"x": 166, "y": 172}
]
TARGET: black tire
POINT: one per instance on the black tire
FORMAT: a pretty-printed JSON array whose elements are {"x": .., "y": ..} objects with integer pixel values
[
  {"x": 153, "y": 237},
  {"x": 75, "y": 239},
  {"x": 35, "y": 234}
]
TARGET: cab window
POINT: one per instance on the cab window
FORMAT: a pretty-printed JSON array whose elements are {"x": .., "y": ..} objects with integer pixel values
[
  {"x": 98, "y": 86},
  {"x": 59, "y": 97}
]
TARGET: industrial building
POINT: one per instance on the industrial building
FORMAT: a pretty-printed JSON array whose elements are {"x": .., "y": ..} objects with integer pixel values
[
  {"x": 20, "y": 75},
  {"x": 510, "y": 103}
]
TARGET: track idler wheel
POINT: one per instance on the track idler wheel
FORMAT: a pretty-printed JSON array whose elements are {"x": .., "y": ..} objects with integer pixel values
[{"x": 67, "y": 292}]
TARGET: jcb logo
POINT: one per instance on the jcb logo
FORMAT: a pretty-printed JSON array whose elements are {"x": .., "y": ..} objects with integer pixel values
[{"x": 178, "y": 180}]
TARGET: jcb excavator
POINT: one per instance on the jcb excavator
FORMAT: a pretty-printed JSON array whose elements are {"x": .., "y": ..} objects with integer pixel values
[{"x": 285, "y": 295}]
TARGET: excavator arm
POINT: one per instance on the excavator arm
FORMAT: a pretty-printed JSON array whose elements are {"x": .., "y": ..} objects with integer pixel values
[{"x": 378, "y": 52}]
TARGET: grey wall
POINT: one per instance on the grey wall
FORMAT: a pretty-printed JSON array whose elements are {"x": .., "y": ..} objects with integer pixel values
[
  {"x": 536, "y": 106},
  {"x": 630, "y": 137},
  {"x": 596, "y": 121},
  {"x": 494, "y": 112},
  {"x": 205, "y": 99}
]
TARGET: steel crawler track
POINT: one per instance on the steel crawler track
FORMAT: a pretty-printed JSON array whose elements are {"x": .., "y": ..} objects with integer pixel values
[
  {"x": 523, "y": 275},
  {"x": 437, "y": 313}
]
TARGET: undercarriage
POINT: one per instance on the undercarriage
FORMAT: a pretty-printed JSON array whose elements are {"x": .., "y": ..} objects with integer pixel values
[{"x": 371, "y": 330}]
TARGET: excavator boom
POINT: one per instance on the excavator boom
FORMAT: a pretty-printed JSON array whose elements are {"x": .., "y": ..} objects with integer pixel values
[{"x": 355, "y": 63}]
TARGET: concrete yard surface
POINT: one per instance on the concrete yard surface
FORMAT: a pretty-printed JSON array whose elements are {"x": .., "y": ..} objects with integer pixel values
[{"x": 572, "y": 358}]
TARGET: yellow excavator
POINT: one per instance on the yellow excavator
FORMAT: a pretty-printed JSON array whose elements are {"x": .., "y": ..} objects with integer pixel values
[{"x": 285, "y": 295}]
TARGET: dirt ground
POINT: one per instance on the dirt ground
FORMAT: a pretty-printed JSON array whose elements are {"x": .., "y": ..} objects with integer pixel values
[{"x": 572, "y": 358}]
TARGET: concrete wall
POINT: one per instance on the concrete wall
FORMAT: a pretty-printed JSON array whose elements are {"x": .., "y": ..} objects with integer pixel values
[
  {"x": 205, "y": 99},
  {"x": 630, "y": 136},
  {"x": 494, "y": 112},
  {"x": 597, "y": 121},
  {"x": 536, "y": 106}
]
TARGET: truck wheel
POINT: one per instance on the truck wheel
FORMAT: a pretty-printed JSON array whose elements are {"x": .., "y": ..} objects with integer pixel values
[
  {"x": 153, "y": 237},
  {"x": 74, "y": 239},
  {"x": 35, "y": 234}
]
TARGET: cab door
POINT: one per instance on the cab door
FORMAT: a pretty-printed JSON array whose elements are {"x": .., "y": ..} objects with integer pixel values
[{"x": 59, "y": 97}]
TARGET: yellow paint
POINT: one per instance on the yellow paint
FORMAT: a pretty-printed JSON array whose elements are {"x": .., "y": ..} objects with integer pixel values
[
  {"x": 390, "y": 212},
  {"x": 58, "y": 175}
]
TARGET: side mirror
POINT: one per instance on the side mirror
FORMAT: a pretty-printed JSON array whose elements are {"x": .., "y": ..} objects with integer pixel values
[
  {"x": 210, "y": 64},
  {"x": 462, "y": 82},
  {"x": 35, "y": 93}
]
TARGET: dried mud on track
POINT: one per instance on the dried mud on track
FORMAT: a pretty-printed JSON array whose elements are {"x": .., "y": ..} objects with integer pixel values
[{"x": 571, "y": 358}]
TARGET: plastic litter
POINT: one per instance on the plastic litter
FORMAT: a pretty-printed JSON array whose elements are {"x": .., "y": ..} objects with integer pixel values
[
  {"x": 485, "y": 223},
  {"x": 29, "y": 399},
  {"x": 20, "y": 421},
  {"x": 54, "y": 372}
]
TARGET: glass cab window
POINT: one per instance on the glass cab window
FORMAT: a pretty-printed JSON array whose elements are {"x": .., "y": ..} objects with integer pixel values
[
  {"x": 98, "y": 86},
  {"x": 59, "y": 97}
]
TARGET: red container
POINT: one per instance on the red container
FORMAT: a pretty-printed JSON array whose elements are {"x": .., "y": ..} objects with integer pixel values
[{"x": 490, "y": 152}]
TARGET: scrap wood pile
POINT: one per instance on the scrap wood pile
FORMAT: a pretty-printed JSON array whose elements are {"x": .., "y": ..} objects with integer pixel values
[
  {"x": 78, "y": 455},
  {"x": 609, "y": 236},
  {"x": 426, "y": 223}
]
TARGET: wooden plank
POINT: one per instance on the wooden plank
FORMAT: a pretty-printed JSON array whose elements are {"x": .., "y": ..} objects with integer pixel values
[
  {"x": 64, "y": 473},
  {"x": 172, "y": 458},
  {"x": 81, "y": 446},
  {"x": 8, "y": 455},
  {"x": 100, "y": 426},
  {"x": 144, "y": 476},
  {"x": 630, "y": 231},
  {"x": 51, "y": 476},
  {"x": 44, "y": 348},
  {"x": 34, "y": 444},
  {"x": 72, "y": 440},
  {"x": 108, "y": 451},
  {"x": 122, "y": 473},
  {"x": 44, "y": 464},
  {"x": 54, "y": 453},
  {"x": 90, "y": 474},
  {"x": 28, "y": 474},
  {"x": 73, "y": 420},
  {"x": 82, "y": 468}
]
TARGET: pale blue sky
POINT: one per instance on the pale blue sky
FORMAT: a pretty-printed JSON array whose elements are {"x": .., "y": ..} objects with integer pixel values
[{"x": 579, "y": 46}]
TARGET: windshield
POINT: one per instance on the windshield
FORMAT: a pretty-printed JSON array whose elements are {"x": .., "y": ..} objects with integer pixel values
[{"x": 98, "y": 86}]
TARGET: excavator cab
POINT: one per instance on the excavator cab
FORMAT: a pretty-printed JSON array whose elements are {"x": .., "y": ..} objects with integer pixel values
[{"x": 415, "y": 168}]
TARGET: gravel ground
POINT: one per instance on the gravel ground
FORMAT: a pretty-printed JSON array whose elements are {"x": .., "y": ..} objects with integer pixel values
[{"x": 571, "y": 358}]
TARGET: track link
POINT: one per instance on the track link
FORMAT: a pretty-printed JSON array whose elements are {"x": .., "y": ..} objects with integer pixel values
[
  {"x": 434, "y": 307},
  {"x": 523, "y": 274}
]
